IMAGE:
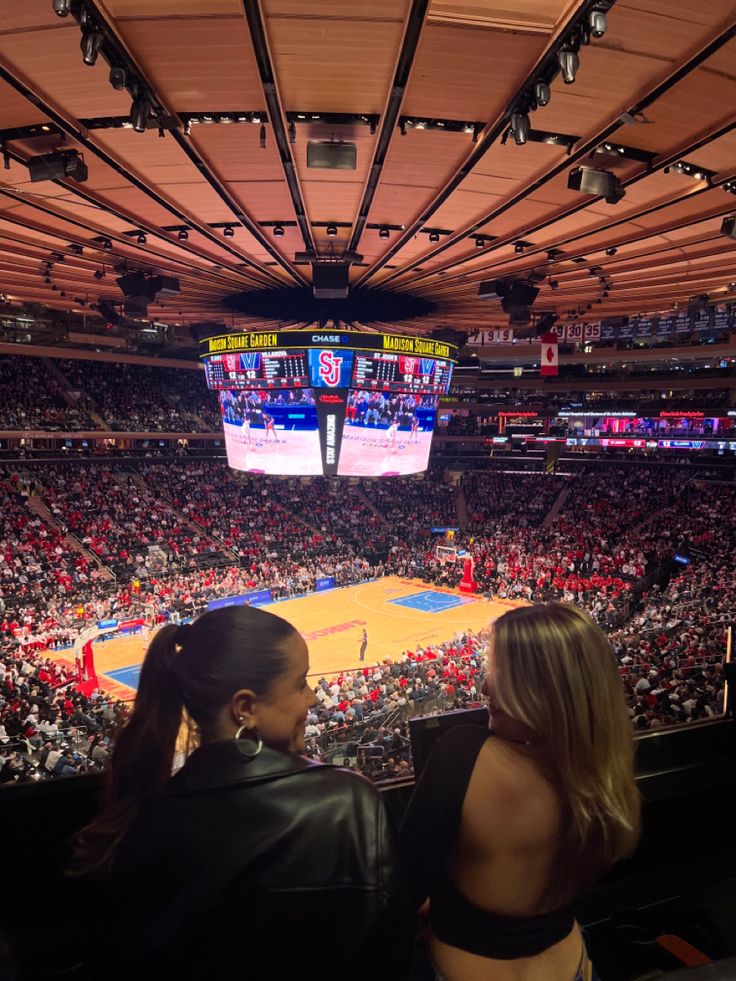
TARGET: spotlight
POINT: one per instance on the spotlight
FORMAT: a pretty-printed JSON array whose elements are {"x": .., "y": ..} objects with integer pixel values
[
  {"x": 553, "y": 284},
  {"x": 520, "y": 127},
  {"x": 262, "y": 137},
  {"x": 106, "y": 244},
  {"x": 569, "y": 63},
  {"x": 76, "y": 248},
  {"x": 278, "y": 231},
  {"x": 62, "y": 7},
  {"x": 612, "y": 250},
  {"x": 99, "y": 274},
  {"x": 141, "y": 238},
  {"x": 292, "y": 132},
  {"x": 542, "y": 93},
  {"x": 434, "y": 237},
  {"x": 90, "y": 45},
  {"x": 228, "y": 231},
  {"x": 331, "y": 231},
  {"x": 63, "y": 293},
  {"x": 118, "y": 77},
  {"x": 597, "y": 23},
  {"x": 518, "y": 248},
  {"x": 383, "y": 232},
  {"x": 140, "y": 110},
  {"x": 479, "y": 243},
  {"x": 47, "y": 279},
  {"x": 601, "y": 183},
  {"x": 55, "y": 287},
  {"x": 183, "y": 235}
]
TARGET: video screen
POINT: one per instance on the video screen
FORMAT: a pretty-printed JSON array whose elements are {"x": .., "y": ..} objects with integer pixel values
[
  {"x": 401, "y": 373},
  {"x": 258, "y": 369},
  {"x": 386, "y": 434},
  {"x": 271, "y": 432}
]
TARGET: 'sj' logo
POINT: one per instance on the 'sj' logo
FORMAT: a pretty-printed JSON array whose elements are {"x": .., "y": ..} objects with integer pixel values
[{"x": 329, "y": 368}]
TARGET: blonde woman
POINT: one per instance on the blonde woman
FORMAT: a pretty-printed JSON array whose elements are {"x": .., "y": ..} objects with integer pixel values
[{"x": 508, "y": 828}]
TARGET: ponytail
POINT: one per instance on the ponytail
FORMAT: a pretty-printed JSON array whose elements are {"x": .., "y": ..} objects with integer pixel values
[{"x": 143, "y": 755}]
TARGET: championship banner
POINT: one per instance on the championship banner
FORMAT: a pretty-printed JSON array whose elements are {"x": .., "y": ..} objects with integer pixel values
[{"x": 550, "y": 357}]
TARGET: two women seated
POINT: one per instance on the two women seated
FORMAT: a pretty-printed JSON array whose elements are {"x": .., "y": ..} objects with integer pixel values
[{"x": 254, "y": 862}]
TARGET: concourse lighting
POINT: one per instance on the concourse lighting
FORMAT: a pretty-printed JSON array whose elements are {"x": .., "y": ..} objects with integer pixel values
[
  {"x": 183, "y": 235},
  {"x": 90, "y": 45},
  {"x": 520, "y": 127},
  {"x": 228, "y": 231},
  {"x": 278, "y": 231},
  {"x": 569, "y": 63}
]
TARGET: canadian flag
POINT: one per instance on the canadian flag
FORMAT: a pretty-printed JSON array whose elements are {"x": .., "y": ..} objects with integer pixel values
[{"x": 550, "y": 360}]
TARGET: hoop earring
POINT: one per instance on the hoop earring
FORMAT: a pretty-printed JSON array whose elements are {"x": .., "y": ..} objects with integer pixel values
[{"x": 253, "y": 737}]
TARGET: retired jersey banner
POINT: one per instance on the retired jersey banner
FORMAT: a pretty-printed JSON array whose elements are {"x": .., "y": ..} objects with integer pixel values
[{"x": 550, "y": 358}]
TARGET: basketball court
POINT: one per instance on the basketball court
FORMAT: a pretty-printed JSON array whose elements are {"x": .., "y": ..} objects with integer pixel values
[{"x": 398, "y": 615}]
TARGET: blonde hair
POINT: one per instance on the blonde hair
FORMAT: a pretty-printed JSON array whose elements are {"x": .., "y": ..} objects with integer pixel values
[{"x": 554, "y": 670}]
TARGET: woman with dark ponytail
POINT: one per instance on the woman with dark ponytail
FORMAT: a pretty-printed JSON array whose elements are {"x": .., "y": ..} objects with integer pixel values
[{"x": 219, "y": 871}]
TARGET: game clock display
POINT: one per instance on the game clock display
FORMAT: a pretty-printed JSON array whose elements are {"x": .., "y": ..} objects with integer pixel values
[{"x": 344, "y": 404}]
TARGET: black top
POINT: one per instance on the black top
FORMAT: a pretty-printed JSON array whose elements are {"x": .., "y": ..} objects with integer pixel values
[
  {"x": 428, "y": 837},
  {"x": 238, "y": 864}
]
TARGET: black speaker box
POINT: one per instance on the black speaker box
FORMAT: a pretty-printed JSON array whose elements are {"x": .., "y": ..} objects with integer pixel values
[
  {"x": 327, "y": 155},
  {"x": 47, "y": 168},
  {"x": 330, "y": 281}
]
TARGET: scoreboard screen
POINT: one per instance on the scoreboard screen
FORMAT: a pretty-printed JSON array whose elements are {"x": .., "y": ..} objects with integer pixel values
[
  {"x": 340, "y": 403},
  {"x": 401, "y": 373},
  {"x": 255, "y": 370}
]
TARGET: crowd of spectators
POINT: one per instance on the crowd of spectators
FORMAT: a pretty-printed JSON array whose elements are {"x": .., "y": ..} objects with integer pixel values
[
  {"x": 31, "y": 398},
  {"x": 120, "y": 519},
  {"x": 143, "y": 398},
  {"x": 48, "y": 728},
  {"x": 611, "y": 531}
]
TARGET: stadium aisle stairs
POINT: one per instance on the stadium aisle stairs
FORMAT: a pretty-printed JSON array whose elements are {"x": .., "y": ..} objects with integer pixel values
[
  {"x": 99, "y": 422},
  {"x": 140, "y": 481},
  {"x": 369, "y": 504},
  {"x": 39, "y": 508},
  {"x": 557, "y": 506}
]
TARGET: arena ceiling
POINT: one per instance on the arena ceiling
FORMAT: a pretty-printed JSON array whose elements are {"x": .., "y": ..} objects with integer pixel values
[{"x": 442, "y": 197}]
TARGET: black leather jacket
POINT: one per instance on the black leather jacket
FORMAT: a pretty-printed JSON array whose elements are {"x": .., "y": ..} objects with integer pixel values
[{"x": 272, "y": 867}]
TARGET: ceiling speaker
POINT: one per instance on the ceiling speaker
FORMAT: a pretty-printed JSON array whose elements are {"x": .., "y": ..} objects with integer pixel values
[
  {"x": 328, "y": 155},
  {"x": 330, "y": 281}
]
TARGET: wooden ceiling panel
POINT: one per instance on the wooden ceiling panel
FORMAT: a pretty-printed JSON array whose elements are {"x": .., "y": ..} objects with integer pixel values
[
  {"x": 529, "y": 16},
  {"x": 334, "y": 56},
  {"x": 50, "y": 58},
  {"x": 468, "y": 74},
  {"x": 139, "y": 9},
  {"x": 198, "y": 64},
  {"x": 328, "y": 201}
]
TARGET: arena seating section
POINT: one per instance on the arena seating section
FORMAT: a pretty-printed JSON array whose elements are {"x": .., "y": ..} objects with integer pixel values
[{"x": 91, "y": 539}]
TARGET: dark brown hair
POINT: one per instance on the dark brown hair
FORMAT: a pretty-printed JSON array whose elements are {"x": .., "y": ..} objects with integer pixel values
[{"x": 188, "y": 675}]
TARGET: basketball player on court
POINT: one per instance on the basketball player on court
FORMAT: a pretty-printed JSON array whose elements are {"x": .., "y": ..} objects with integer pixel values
[
  {"x": 393, "y": 429},
  {"x": 414, "y": 435},
  {"x": 269, "y": 426},
  {"x": 363, "y": 644}
]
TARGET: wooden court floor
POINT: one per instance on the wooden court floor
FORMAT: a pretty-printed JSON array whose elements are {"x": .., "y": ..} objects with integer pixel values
[{"x": 332, "y": 624}]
